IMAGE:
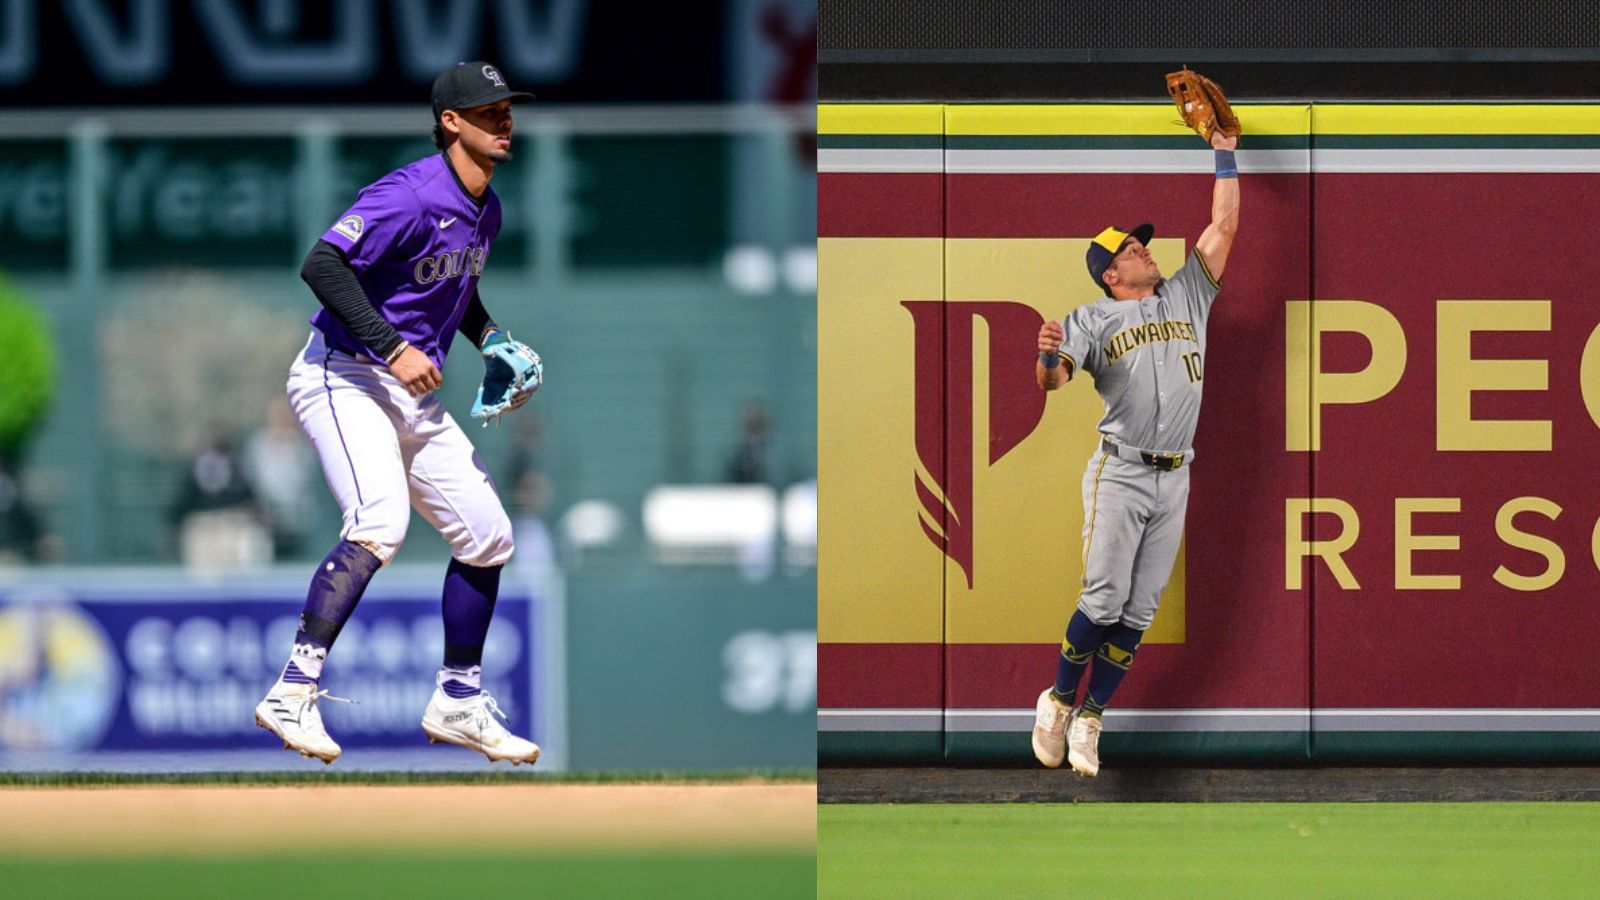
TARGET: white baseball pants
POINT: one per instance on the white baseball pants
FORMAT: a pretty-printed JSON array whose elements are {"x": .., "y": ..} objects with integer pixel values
[{"x": 384, "y": 452}]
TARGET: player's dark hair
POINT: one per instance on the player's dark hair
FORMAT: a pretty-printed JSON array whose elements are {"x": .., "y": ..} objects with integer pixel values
[{"x": 438, "y": 136}]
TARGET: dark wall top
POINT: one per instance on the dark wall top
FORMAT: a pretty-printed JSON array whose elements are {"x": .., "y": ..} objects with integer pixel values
[
  {"x": 849, "y": 30},
  {"x": 1258, "y": 49}
]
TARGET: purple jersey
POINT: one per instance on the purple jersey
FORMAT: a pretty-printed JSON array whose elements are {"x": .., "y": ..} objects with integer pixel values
[{"x": 417, "y": 243}]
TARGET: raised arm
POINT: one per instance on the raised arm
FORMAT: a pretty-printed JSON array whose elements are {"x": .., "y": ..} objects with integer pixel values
[{"x": 1217, "y": 239}]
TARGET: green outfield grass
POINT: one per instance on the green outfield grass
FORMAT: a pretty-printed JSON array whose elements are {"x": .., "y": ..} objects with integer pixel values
[
  {"x": 322, "y": 871},
  {"x": 1213, "y": 849}
]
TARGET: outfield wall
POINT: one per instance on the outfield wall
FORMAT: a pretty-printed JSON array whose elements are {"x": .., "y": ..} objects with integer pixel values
[{"x": 1392, "y": 549}]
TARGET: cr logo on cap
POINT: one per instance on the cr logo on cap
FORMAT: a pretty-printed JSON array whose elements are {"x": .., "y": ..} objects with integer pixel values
[{"x": 494, "y": 76}]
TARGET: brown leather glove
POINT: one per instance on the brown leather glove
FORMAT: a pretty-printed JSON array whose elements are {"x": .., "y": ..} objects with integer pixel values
[{"x": 1202, "y": 104}]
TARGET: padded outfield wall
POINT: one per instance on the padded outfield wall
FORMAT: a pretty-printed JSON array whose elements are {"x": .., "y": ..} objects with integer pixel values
[{"x": 1392, "y": 548}]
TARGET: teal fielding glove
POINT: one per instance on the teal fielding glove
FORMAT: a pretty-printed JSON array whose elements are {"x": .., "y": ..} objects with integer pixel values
[{"x": 512, "y": 372}]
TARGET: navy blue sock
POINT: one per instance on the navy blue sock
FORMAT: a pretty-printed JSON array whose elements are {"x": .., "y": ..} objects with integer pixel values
[
  {"x": 1110, "y": 664},
  {"x": 469, "y": 595},
  {"x": 341, "y": 579},
  {"x": 1083, "y": 638}
]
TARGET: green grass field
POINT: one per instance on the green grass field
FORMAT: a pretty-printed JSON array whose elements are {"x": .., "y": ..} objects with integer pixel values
[
  {"x": 1213, "y": 849},
  {"x": 322, "y": 871}
]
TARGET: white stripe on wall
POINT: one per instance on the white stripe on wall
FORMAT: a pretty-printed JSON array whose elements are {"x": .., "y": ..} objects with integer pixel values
[
  {"x": 1199, "y": 162},
  {"x": 1145, "y": 720},
  {"x": 1456, "y": 719},
  {"x": 880, "y": 719},
  {"x": 1251, "y": 162},
  {"x": 1444, "y": 160},
  {"x": 1228, "y": 720},
  {"x": 887, "y": 161}
]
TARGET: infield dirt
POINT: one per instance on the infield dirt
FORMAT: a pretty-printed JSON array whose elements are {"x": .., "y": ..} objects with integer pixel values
[{"x": 180, "y": 820}]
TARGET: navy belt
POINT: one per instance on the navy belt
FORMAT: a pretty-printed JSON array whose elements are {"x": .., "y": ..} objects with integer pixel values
[{"x": 1162, "y": 462}]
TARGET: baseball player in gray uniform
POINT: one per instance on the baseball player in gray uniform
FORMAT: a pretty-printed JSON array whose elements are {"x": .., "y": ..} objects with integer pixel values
[
  {"x": 1145, "y": 346},
  {"x": 397, "y": 277}
]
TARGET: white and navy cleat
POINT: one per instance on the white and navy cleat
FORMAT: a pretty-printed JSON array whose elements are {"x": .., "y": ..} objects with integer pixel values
[
  {"x": 469, "y": 722},
  {"x": 290, "y": 712}
]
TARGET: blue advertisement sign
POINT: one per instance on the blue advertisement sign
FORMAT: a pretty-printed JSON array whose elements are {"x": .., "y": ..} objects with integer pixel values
[{"x": 180, "y": 669}]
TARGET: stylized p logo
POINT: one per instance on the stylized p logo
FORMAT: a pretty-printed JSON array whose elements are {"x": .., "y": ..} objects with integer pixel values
[{"x": 944, "y": 401}]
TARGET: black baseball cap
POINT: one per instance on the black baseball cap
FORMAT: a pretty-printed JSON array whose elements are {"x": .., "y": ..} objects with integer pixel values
[
  {"x": 468, "y": 84},
  {"x": 1107, "y": 244}
]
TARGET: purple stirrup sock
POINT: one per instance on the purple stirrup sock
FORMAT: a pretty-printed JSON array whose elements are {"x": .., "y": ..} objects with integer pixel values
[
  {"x": 342, "y": 577},
  {"x": 469, "y": 595}
]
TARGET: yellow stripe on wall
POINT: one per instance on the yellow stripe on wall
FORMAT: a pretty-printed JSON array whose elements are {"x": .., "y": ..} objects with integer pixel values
[
  {"x": 1465, "y": 118},
  {"x": 1110, "y": 118},
  {"x": 1162, "y": 119},
  {"x": 880, "y": 118}
]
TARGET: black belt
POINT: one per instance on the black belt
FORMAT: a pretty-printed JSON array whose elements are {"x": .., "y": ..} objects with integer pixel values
[{"x": 1163, "y": 462}]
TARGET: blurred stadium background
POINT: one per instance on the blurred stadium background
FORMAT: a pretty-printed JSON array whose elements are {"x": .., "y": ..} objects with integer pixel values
[{"x": 165, "y": 167}]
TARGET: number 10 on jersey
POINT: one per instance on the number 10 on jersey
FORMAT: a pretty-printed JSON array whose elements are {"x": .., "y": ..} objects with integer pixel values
[{"x": 1191, "y": 361}]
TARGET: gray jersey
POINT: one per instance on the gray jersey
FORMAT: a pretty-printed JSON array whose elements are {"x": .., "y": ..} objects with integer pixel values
[{"x": 1147, "y": 358}]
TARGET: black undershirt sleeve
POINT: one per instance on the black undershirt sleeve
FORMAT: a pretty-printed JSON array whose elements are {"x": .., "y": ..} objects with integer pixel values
[
  {"x": 334, "y": 282},
  {"x": 475, "y": 322}
]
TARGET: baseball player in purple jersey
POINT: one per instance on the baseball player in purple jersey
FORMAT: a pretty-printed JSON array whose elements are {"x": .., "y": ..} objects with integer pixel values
[
  {"x": 1145, "y": 346},
  {"x": 397, "y": 277}
]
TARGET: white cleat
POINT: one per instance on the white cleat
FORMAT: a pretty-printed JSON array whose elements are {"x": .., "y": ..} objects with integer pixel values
[
  {"x": 290, "y": 712},
  {"x": 1083, "y": 745},
  {"x": 1050, "y": 730},
  {"x": 469, "y": 722}
]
